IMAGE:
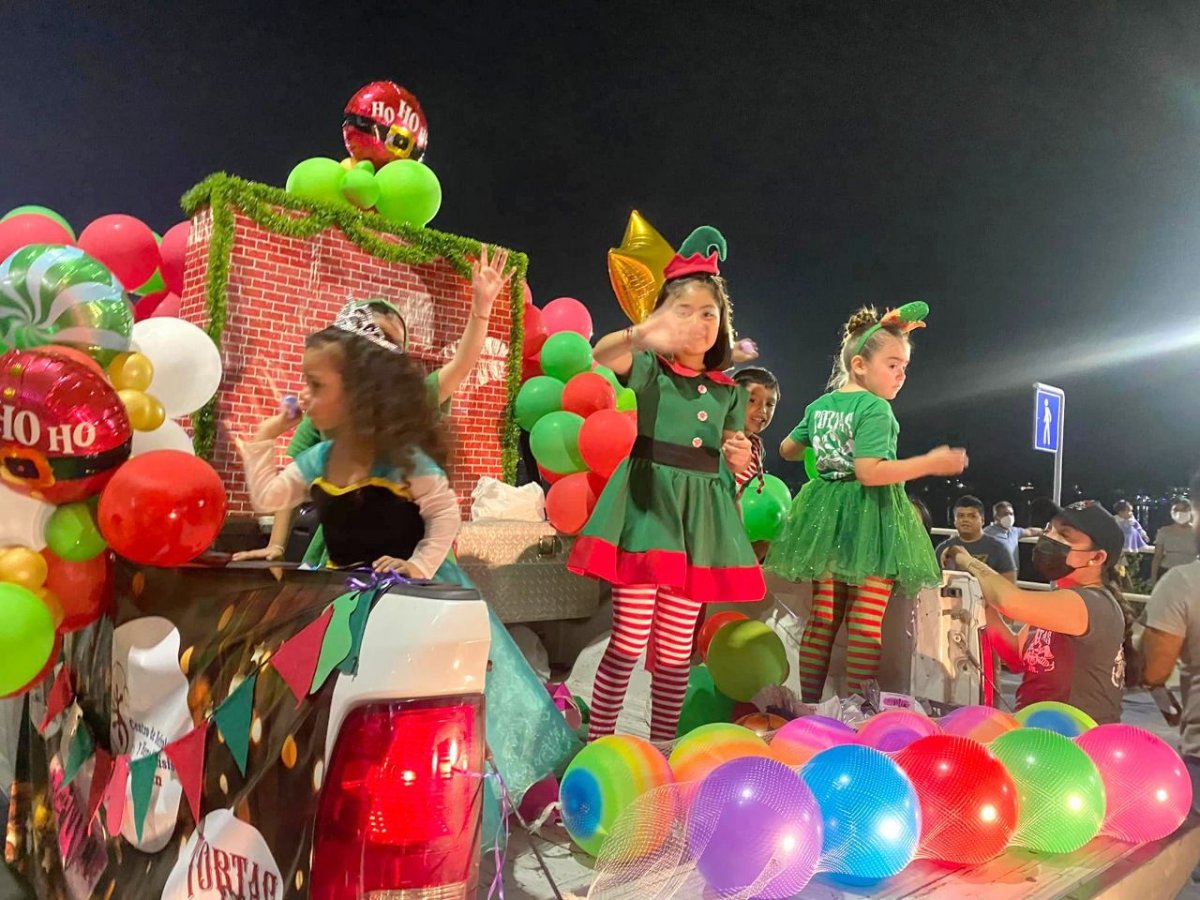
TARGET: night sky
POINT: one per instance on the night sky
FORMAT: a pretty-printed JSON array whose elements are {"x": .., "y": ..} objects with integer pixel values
[{"x": 1029, "y": 169}]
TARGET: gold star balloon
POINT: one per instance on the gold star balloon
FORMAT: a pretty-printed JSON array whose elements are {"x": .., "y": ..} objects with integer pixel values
[{"x": 636, "y": 267}]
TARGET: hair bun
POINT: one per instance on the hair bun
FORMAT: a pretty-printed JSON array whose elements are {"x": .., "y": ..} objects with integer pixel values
[{"x": 863, "y": 317}]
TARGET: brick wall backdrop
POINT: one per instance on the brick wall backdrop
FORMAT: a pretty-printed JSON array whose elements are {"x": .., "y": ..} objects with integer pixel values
[{"x": 281, "y": 289}]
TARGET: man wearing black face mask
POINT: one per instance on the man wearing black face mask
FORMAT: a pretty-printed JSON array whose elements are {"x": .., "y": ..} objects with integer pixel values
[{"x": 1074, "y": 645}]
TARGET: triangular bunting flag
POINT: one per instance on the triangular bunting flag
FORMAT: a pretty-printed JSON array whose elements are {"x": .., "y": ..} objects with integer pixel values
[
  {"x": 358, "y": 627},
  {"x": 233, "y": 720},
  {"x": 141, "y": 777},
  {"x": 101, "y": 773},
  {"x": 79, "y": 752},
  {"x": 187, "y": 756},
  {"x": 114, "y": 796},
  {"x": 62, "y": 695},
  {"x": 296, "y": 658},
  {"x": 337, "y": 641}
]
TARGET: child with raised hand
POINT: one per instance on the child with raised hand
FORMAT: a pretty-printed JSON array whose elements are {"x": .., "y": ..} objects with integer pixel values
[
  {"x": 852, "y": 530},
  {"x": 487, "y": 279},
  {"x": 666, "y": 532}
]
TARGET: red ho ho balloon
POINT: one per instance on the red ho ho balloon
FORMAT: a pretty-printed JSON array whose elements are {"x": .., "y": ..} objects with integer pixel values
[
  {"x": 63, "y": 429},
  {"x": 968, "y": 800},
  {"x": 384, "y": 122}
]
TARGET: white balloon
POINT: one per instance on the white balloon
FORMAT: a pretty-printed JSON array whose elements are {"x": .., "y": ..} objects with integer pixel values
[
  {"x": 187, "y": 364},
  {"x": 167, "y": 436},
  {"x": 23, "y": 520}
]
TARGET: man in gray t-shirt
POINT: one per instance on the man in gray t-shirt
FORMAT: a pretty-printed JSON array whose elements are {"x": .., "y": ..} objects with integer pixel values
[
  {"x": 1173, "y": 633},
  {"x": 968, "y": 522}
]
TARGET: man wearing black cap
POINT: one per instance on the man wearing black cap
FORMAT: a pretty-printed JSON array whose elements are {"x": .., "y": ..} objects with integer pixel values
[{"x": 1074, "y": 640}]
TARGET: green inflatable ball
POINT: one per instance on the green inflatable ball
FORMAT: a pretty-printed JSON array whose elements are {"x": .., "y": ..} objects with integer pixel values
[
  {"x": 26, "y": 637},
  {"x": 359, "y": 186},
  {"x": 703, "y": 704},
  {"x": 318, "y": 178},
  {"x": 776, "y": 487},
  {"x": 72, "y": 534},
  {"x": 554, "y": 441},
  {"x": 744, "y": 657},
  {"x": 565, "y": 355},
  {"x": 626, "y": 400},
  {"x": 409, "y": 193},
  {"x": 762, "y": 513},
  {"x": 33, "y": 210},
  {"x": 610, "y": 376},
  {"x": 538, "y": 396}
]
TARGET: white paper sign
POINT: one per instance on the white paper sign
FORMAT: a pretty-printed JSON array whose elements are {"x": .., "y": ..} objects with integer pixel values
[{"x": 224, "y": 859}]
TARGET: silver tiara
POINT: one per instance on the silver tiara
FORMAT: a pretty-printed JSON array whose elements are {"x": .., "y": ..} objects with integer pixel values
[{"x": 360, "y": 320}]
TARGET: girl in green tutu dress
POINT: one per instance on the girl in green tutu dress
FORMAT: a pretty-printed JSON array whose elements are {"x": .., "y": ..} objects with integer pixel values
[
  {"x": 852, "y": 530},
  {"x": 666, "y": 532}
]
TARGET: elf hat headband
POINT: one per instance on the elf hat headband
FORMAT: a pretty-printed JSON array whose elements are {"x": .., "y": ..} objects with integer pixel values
[
  {"x": 700, "y": 254},
  {"x": 908, "y": 317}
]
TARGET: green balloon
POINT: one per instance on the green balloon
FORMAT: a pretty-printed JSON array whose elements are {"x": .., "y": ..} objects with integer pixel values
[
  {"x": 409, "y": 193},
  {"x": 26, "y": 637},
  {"x": 703, "y": 704},
  {"x": 762, "y": 513},
  {"x": 71, "y": 533},
  {"x": 554, "y": 441},
  {"x": 565, "y": 355},
  {"x": 810, "y": 464},
  {"x": 744, "y": 657},
  {"x": 40, "y": 211},
  {"x": 626, "y": 399},
  {"x": 1060, "y": 795},
  {"x": 538, "y": 396},
  {"x": 318, "y": 178},
  {"x": 776, "y": 487},
  {"x": 46, "y": 289},
  {"x": 359, "y": 187},
  {"x": 610, "y": 376}
]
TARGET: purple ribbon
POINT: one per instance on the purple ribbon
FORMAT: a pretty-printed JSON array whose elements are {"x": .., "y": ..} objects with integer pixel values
[{"x": 368, "y": 580}]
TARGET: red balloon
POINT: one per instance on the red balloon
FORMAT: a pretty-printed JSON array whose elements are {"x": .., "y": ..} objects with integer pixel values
[
  {"x": 569, "y": 503},
  {"x": 145, "y": 307},
  {"x": 712, "y": 625},
  {"x": 605, "y": 439},
  {"x": 46, "y": 670},
  {"x": 384, "y": 122},
  {"x": 535, "y": 332},
  {"x": 63, "y": 429},
  {"x": 65, "y": 352},
  {"x": 30, "y": 228},
  {"x": 548, "y": 476},
  {"x": 167, "y": 307},
  {"x": 597, "y": 482},
  {"x": 588, "y": 392},
  {"x": 173, "y": 250},
  {"x": 567, "y": 314},
  {"x": 163, "y": 508},
  {"x": 968, "y": 799},
  {"x": 83, "y": 588},
  {"x": 125, "y": 245},
  {"x": 530, "y": 367}
]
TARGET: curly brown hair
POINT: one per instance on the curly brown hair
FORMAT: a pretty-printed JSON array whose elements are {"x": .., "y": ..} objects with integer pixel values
[
  {"x": 720, "y": 355},
  {"x": 852, "y": 332},
  {"x": 389, "y": 401}
]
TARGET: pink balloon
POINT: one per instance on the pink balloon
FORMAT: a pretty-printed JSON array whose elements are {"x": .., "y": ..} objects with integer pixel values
[
  {"x": 168, "y": 307},
  {"x": 535, "y": 332},
  {"x": 528, "y": 294},
  {"x": 567, "y": 314},
  {"x": 125, "y": 245},
  {"x": 30, "y": 228},
  {"x": 1146, "y": 785},
  {"x": 174, "y": 250},
  {"x": 895, "y": 729}
]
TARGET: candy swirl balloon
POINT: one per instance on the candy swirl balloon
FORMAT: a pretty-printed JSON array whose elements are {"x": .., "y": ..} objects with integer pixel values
[{"x": 60, "y": 295}]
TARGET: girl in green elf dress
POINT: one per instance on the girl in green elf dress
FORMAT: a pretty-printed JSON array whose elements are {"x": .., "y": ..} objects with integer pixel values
[
  {"x": 666, "y": 532},
  {"x": 852, "y": 530}
]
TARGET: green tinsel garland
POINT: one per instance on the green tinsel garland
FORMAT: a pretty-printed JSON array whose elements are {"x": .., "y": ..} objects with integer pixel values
[{"x": 279, "y": 212}]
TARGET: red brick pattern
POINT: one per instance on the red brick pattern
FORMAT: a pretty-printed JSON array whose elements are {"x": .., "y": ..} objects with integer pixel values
[{"x": 280, "y": 289}]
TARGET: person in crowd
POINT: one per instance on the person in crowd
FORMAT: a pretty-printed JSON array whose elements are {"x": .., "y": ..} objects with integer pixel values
[
  {"x": 1136, "y": 538},
  {"x": 852, "y": 530},
  {"x": 1172, "y": 636},
  {"x": 1074, "y": 645},
  {"x": 486, "y": 280},
  {"x": 762, "y": 389},
  {"x": 1174, "y": 544},
  {"x": 1005, "y": 530},
  {"x": 968, "y": 522},
  {"x": 666, "y": 532}
]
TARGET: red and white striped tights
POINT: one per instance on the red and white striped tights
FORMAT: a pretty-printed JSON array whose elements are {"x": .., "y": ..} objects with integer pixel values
[
  {"x": 862, "y": 607},
  {"x": 642, "y": 614}
]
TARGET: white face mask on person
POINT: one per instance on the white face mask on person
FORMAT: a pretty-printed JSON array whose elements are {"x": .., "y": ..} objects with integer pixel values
[
  {"x": 1006, "y": 521},
  {"x": 1182, "y": 518}
]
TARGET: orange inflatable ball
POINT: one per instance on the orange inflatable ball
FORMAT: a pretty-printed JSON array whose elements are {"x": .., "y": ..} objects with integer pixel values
[
  {"x": 22, "y": 566},
  {"x": 762, "y": 724},
  {"x": 711, "y": 626},
  {"x": 705, "y": 748}
]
